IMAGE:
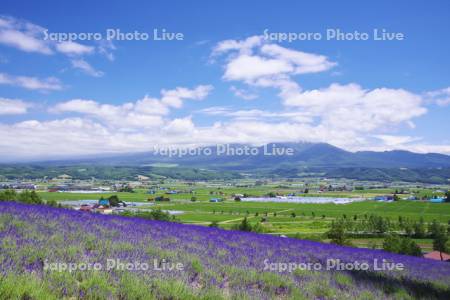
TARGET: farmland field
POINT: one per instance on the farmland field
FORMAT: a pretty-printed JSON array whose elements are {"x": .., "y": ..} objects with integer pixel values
[{"x": 310, "y": 221}]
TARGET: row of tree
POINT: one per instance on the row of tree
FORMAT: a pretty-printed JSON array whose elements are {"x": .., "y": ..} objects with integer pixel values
[
  {"x": 393, "y": 241},
  {"x": 378, "y": 225},
  {"x": 30, "y": 197}
]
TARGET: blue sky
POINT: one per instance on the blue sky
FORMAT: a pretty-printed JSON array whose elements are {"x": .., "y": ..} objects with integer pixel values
[{"x": 225, "y": 82}]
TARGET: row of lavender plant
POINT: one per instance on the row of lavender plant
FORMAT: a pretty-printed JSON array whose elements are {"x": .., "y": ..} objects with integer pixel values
[{"x": 216, "y": 263}]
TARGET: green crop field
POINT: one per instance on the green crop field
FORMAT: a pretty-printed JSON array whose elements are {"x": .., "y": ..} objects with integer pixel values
[{"x": 310, "y": 221}]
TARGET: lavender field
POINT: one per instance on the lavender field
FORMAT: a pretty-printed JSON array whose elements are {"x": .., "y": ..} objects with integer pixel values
[{"x": 38, "y": 242}]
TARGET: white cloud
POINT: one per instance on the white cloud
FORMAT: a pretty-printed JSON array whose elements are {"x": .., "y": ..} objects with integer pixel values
[
  {"x": 23, "y": 35},
  {"x": 303, "y": 62},
  {"x": 86, "y": 68},
  {"x": 144, "y": 113},
  {"x": 174, "y": 98},
  {"x": 112, "y": 130},
  {"x": 253, "y": 60},
  {"x": 440, "y": 97},
  {"x": 13, "y": 106},
  {"x": 346, "y": 108},
  {"x": 106, "y": 47},
  {"x": 28, "y": 37},
  {"x": 72, "y": 48},
  {"x": 248, "y": 68},
  {"x": 243, "y": 46},
  {"x": 244, "y": 94},
  {"x": 180, "y": 126},
  {"x": 31, "y": 83},
  {"x": 350, "y": 106},
  {"x": 396, "y": 141},
  {"x": 123, "y": 116},
  {"x": 260, "y": 115},
  {"x": 344, "y": 115}
]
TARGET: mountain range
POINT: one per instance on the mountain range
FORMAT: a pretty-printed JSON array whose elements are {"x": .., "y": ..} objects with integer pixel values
[
  {"x": 304, "y": 160},
  {"x": 303, "y": 155}
]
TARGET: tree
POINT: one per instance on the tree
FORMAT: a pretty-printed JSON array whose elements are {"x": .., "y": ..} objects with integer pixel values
[
  {"x": 392, "y": 244},
  {"x": 114, "y": 201},
  {"x": 245, "y": 225},
  {"x": 401, "y": 245},
  {"x": 440, "y": 240},
  {"x": 377, "y": 224},
  {"x": 293, "y": 214},
  {"x": 126, "y": 189},
  {"x": 193, "y": 198},
  {"x": 396, "y": 197},
  {"x": 337, "y": 233},
  {"x": 8, "y": 195},
  {"x": 237, "y": 199},
  {"x": 214, "y": 224},
  {"x": 155, "y": 214},
  {"x": 447, "y": 196},
  {"x": 29, "y": 197},
  {"x": 258, "y": 228},
  {"x": 433, "y": 228},
  {"x": 419, "y": 229}
]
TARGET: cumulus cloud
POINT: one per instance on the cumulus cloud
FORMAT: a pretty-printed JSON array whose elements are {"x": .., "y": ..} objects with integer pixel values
[
  {"x": 254, "y": 60},
  {"x": 124, "y": 116},
  {"x": 13, "y": 106},
  {"x": 31, "y": 83},
  {"x": 350, "y": 106},
  {"x": 257, "y": 114},
  {"x": 144, "y": 113},
  {"x": 344, "y": 114},
  {"x": 174, "y": 98}
]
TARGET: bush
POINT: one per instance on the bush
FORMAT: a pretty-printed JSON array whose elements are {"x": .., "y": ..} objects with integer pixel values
[
  {"x": 29, "y": 197},
  {"x": 401, "y": 245},
  {"x": 337, "y": 233},
  {"x": 156, "y": 214},
  {"x": 214, "y": 224},
  {"x": 244, "y": 225},
  {"x": 8, "y": 195}
]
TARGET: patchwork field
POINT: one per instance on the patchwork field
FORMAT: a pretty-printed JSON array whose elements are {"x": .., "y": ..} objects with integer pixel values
[{"x": 311, "y": 220}]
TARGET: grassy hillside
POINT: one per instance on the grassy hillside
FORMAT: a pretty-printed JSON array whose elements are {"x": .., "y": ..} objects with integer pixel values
[{"x": 39, "y": 244}]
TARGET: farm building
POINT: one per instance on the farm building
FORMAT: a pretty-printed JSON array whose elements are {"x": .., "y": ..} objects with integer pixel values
[
  {"x": 143, "y": 178},
  {"x": 384, "y": 198},
  {"x": 437, "y": 200},
  {"x": 86, "y": 207},
  {"x": 103, "y": 202},
  {"x": 215, "y": 200}
]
